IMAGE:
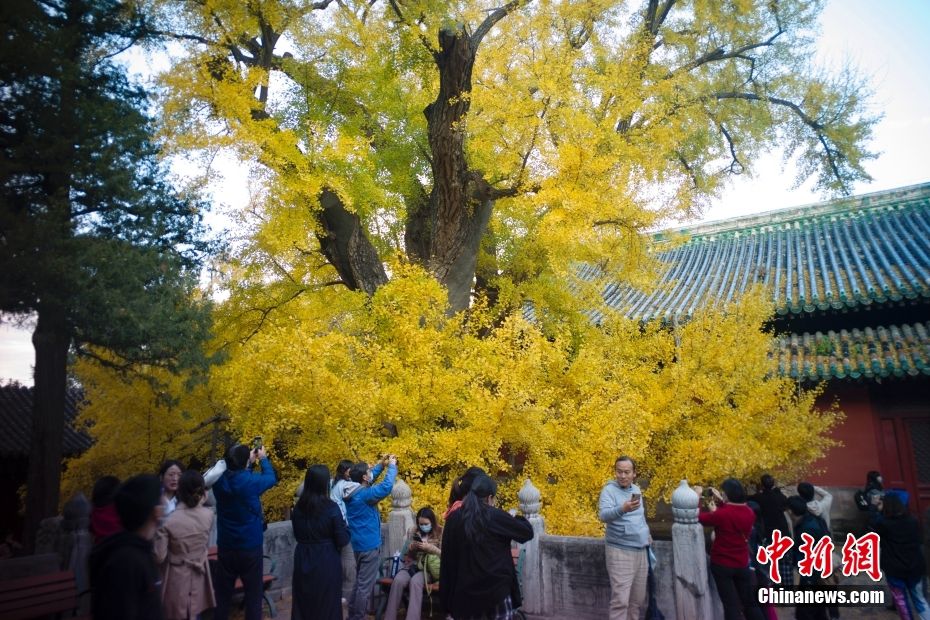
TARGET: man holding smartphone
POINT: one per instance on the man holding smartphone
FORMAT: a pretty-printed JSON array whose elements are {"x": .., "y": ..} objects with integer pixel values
[
  {"x": 627, "y": 541},
  {"x": 240, "y": 527},
  {"x": 365, "y": 526}
]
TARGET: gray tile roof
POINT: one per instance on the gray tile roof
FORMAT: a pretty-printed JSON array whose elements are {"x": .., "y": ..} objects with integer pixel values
[{"x": 16, "y": 422}]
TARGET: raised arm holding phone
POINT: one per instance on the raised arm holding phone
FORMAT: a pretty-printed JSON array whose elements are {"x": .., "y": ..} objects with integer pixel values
[{"x": 240, "y": 527}]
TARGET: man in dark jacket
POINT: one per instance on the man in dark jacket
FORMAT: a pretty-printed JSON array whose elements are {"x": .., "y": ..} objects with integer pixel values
[
  {"x": 806, "y": 523},
  {"x": 240, "y": 529},
  {"x": 124, "y": 580}
]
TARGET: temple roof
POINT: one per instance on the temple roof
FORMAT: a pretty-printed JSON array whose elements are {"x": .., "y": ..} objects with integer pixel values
[
  {"x": 870, "y": 353},
  {"x": 16, "y": 422},
  {"x": 861, "y": 251}
]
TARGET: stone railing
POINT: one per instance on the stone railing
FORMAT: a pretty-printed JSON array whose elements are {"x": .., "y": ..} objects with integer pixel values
[
  {"x": 564, "y": 576},
  {"x": 573, "y": 569}
]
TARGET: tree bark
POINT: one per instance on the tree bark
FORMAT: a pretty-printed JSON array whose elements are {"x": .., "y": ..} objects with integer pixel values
[
  {"x": 347, "y": 247},
  {"x": 459, "y": 205},
  {"x": 51, "y": 340}
]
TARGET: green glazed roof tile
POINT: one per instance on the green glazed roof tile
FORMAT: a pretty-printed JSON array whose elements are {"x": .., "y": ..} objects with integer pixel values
[
  {"x": 860, "y": 251},
  {"x": 884, "y": 351}
]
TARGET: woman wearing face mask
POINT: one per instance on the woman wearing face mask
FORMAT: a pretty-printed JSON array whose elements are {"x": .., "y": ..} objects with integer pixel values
[{"x": 421, "y": 565}]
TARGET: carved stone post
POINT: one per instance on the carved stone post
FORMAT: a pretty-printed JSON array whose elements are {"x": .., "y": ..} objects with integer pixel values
[
  {"x": 693, "y": 596},
  {"x": 75, "y": 525},
  {"x": 532, "y": 578},
  {"x": 401, "y": 518}
]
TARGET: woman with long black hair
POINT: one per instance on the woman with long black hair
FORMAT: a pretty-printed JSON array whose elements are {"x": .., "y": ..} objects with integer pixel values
[
  {"x": 477, "y": 577},
  {"x": 321, "y": 533},
  {"x": 902, "y": 559}
]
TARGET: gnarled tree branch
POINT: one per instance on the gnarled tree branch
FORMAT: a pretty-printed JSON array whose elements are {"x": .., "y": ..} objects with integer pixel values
[
  {"x": 818, "y": 128},
  {"x": 489, "y": 21}
]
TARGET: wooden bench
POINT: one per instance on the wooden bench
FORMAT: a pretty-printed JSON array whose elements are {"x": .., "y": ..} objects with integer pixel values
[
  {"x": 267, "y": 580},
  {"x": 38, "y": 596}
]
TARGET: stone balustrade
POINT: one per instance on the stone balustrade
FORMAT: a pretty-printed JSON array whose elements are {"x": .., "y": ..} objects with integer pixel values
[
  {"x": 565, "y": 576},
  {"x": 562, "y": 576}
]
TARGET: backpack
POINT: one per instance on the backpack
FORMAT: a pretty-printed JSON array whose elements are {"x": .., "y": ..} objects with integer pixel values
[
  {"x": 429, "y": 564},
  {"x": 861, "y": 500}
]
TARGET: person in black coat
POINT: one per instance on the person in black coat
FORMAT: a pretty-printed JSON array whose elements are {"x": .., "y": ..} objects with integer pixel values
[
  {"x": 806, "y": 523},
  {"x": 321, "y": 533},
  {"x": 123, "y": 575},
  {"x": 477, "y": 577},
  {"x": 901, "y": 556},
  {"x": 773, "y": 504}
]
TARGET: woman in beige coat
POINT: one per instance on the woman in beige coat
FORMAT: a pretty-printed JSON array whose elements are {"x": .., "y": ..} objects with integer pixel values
[{"x": 181, "y": 546}]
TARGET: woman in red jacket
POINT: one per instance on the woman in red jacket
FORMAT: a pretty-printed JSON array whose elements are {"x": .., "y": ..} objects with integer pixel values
[{"x": 732, "y": 521}]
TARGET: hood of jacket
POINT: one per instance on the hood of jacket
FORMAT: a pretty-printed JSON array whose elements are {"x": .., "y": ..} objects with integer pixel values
[
  {"x": 349, "y": 488},
  {"x": 815, "y": 508}
]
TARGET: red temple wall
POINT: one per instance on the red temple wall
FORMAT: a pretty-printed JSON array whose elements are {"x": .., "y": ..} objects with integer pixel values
[{"x": 847, "y": 464}]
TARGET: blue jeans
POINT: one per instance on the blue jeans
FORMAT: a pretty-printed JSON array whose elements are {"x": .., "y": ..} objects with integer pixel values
[
  {"x": 248, "y": 566},
  {"x": 901, "y": 590}
]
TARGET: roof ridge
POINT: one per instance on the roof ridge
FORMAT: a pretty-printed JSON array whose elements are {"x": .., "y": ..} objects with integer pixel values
[{"x": 900, "y": 197}]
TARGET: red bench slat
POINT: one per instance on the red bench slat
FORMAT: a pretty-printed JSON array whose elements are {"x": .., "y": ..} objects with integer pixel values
[
  {"x": 38, "y": 595},
  {"x": 37, "y": 591}
]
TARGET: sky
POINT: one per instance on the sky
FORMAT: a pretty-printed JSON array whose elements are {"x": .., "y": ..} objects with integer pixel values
[{"x": 887, "y": 41}]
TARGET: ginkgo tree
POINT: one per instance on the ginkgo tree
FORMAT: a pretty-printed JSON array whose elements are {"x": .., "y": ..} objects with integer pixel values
[
  {"x": 335, "y": 375},
  {"x": 497, "y": 145},
  {"x": 424, "y": 170}
]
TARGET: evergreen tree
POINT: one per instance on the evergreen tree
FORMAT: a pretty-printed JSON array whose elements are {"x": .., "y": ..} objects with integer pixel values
[{"x": 93, "y": 241}]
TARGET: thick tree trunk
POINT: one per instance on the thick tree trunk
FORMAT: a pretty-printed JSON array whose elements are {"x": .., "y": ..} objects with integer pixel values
[
  {"x": 459, "y": 205},
  {"x": 51, "y": 340}
]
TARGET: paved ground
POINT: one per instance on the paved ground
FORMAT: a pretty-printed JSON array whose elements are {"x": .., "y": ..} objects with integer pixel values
[
  {"x": 849, "y": 613},
  {"x": 784, "y": 613},
  {"x": 846, "y": 613}
]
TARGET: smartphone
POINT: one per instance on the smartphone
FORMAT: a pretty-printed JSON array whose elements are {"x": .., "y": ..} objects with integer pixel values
[
  {"x": 257, "y": 443},
  {"x": 637, "y": 497}
]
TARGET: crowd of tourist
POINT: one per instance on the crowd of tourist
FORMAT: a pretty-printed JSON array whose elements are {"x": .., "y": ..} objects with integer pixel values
[
  {"x": 153, "y": 535},
  {"x": 743, "y": 523}
]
